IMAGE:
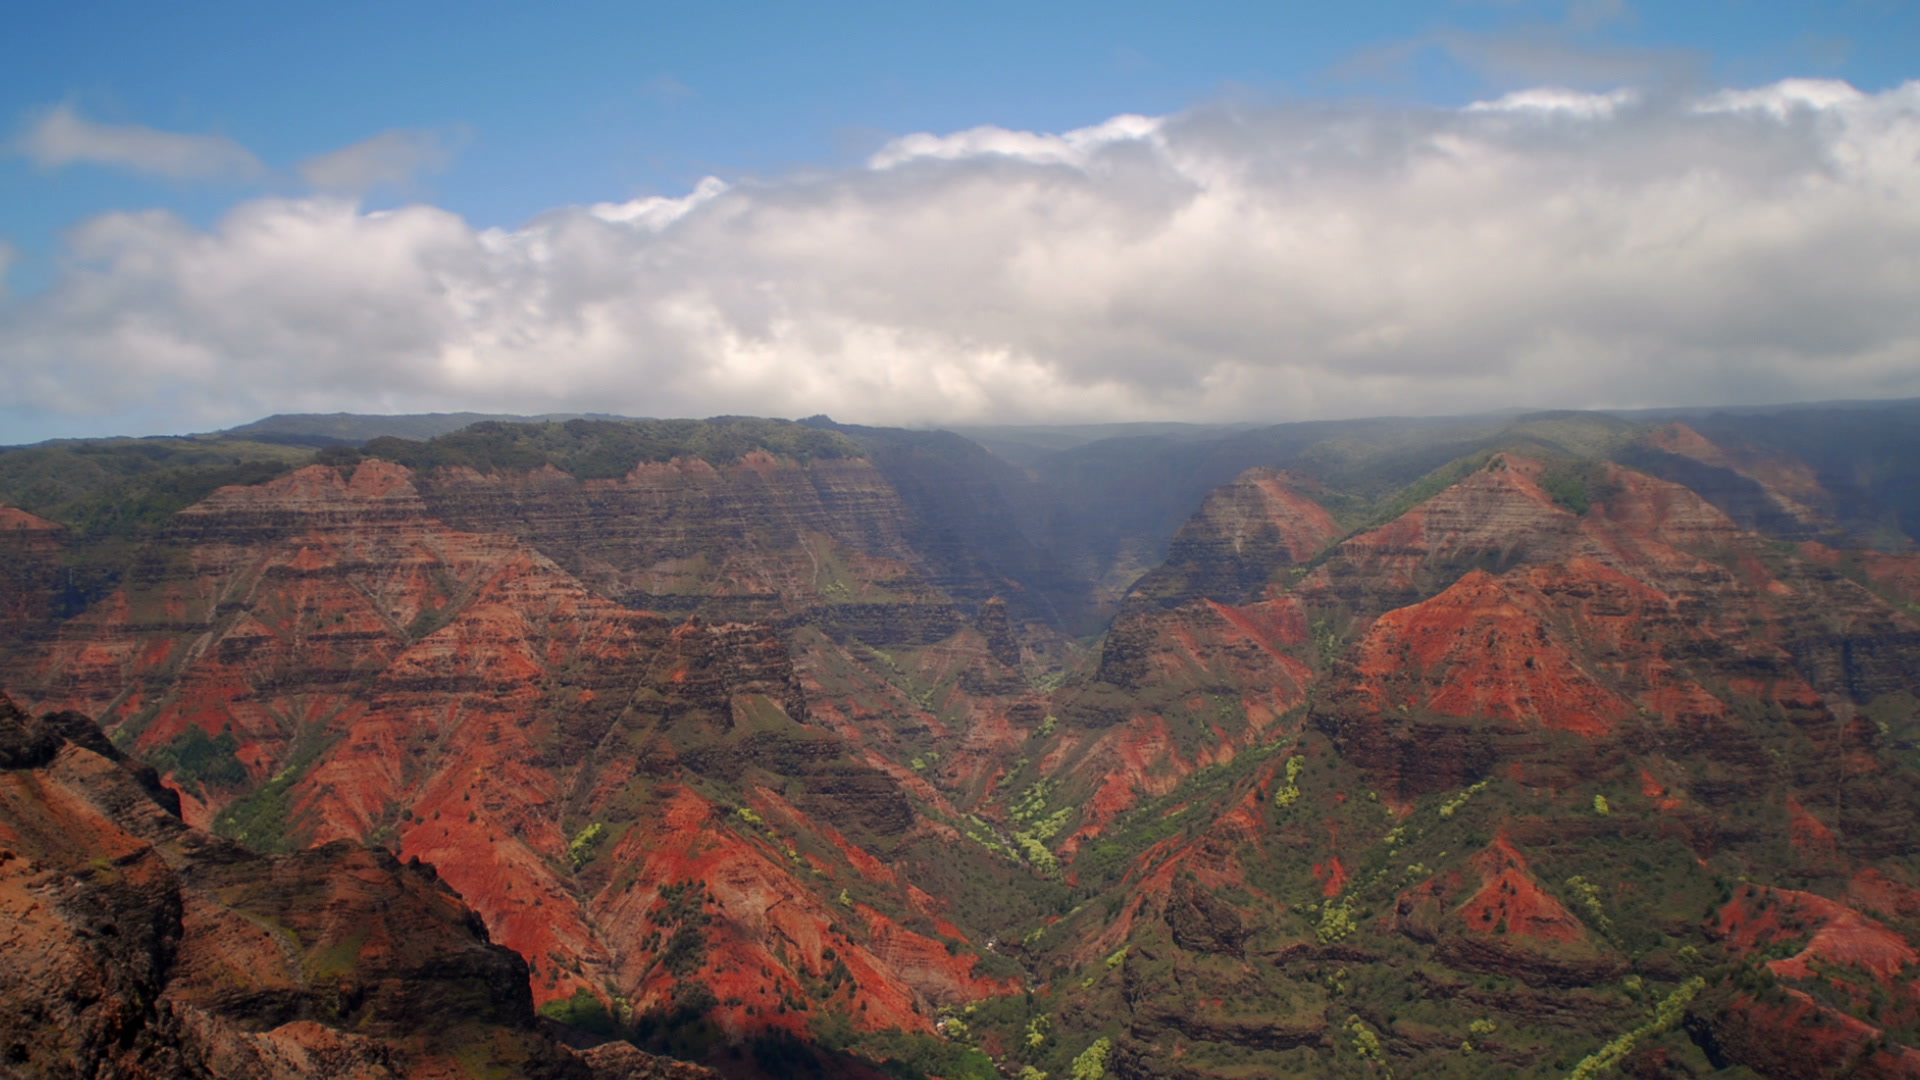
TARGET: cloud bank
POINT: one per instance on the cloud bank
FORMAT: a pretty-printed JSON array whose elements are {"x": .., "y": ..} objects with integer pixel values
[
  {"x": 1551, "y": 248},
  {"x": 391, "y": 158},
  {"x": 62, "y": 137}
]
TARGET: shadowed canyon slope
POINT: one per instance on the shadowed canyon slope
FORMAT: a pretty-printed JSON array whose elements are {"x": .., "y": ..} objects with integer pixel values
[
  {"x": 1467, "y": 747},
  {"x": 140, "y": 946}
]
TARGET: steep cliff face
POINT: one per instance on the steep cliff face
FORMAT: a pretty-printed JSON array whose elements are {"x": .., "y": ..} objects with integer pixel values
[
  {"x": 1207, "y": 656},
  {"x": 140, "y": 946},
  {"x": 323, "y": 659},
  {"x": 1652, "y": 606},
  {"x": 1242, "y": 536},
  {"x": 1542, "y": 718},
  {"x": 29, "y": 574},
  {"x": 1771, "y": 493},
  {"x": 878, "y": 594},
  {"x": 764, "y": 539}
]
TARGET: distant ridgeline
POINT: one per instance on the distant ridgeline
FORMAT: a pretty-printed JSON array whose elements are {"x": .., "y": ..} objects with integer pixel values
[{"x": 598, "y": 449}]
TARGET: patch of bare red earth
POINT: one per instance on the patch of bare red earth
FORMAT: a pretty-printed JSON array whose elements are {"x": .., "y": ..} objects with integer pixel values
[
  {"x": 1483, "y": 648},
  {"x": 1260, "y": 503},
  {"x": 1601, "y": 618},
  {"x": 1179, "y": 661},
  {"x": 1495, "y": 915},
  {"x": 1203, "y": 865},
  {"x": 1191, "y": 655},
  {"x": 1853, "y": 957},
  {"x": 1897, "y": 574},
  {"x": 766, "y": 938},
  {"x": 132, "y": 944}
]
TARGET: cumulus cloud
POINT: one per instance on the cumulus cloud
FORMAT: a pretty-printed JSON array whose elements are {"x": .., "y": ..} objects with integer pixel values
[
  {"x": 60, "y": 136},
  {"x": 1550, "y": 248},
  {"x": 389, "y": 159}
]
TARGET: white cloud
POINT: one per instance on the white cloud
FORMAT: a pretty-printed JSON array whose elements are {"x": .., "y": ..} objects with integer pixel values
[
  {"x": 1552, "y": 249},
  {"x": 1782, "y": 98},
  {"x": 389, "y": 159},
  {"x": 61, "y": 137},
  {"x": 655, "y": 212},
  {"x": 1075, "y": 147},
  {"x": 1559, "y": 100}
]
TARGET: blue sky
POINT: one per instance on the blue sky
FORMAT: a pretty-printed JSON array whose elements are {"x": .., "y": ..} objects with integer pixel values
[
  {"x": 500, "y": 114},
  {"x": 587, "y": 102}
]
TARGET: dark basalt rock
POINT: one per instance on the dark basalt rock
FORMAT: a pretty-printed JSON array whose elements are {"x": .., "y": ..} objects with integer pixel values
[
  {"x": 140, "y": 947},
  {"x": 1201, "y": 922},
  {"x": 993, "y": 624},
  {"x": 857, "y": 799}
]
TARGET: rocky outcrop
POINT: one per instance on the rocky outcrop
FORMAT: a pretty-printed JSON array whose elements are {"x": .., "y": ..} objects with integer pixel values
[
  {"x": 1650, "y": 606},
  {"x": 623, "y": 1061},
  {"x": 1540, "y": 690},
  {"x": 1495, "y": 915},
  {"x": 139, "y": 946},
  {"x": 764, "y": 539},
  {"x": 325, "y": 660},
  {"x": 1242, "y": 538},
  {"x": 1201, "y": 922}
]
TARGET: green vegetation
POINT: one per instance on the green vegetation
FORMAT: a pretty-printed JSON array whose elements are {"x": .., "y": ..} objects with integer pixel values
[
  {"x": 1290, "y": 793},
  {"x": 1038, "y": 1028},
  {"x": 1366, "y": 1044},
  {"x": 128, "y": 488},
  {"x": 337, "y": 960},
  {"x": 1588, "y": 895},
  {"x": 195, "y": 759},
  {"x": 1665, "y": 1015},
  {"x": 1092, "y": 1062},
  {"x": 1426, "y": 487},
  {"x": 1477, "y": 1033},
  {"x": 1577, "y": 486},
  {"x": 905, "y": 1055},
  {"x": 686, "y": 951},
  {"x": 264, "y": 820},
  {"x": 581, "y": 850},
  {"x": 584, "y": 1011},
  {"x": 597, "y": 449},
  {"x": 1039, "y": 827},
  {"x": 1336, "y": 921},
  {"x": 1452, "y": 806}
]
